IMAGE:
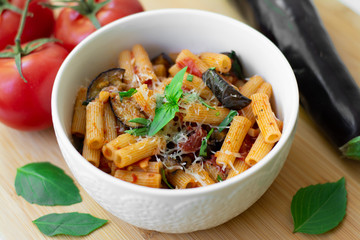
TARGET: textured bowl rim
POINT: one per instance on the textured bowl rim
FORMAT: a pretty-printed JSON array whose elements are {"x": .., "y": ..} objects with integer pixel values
[{"x": 62, "y": 136}]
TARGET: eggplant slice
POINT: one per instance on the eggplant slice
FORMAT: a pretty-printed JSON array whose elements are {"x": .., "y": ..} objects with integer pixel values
[
  {"x": 227, "y": 95},
  {"x": 163, "y": 59},
  {"x": 111, "y": 77},
  {"x": 125, "y": 110}
]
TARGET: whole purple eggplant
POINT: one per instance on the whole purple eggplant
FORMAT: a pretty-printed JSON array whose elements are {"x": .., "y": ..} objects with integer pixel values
[{"x": 327, "y": 90}]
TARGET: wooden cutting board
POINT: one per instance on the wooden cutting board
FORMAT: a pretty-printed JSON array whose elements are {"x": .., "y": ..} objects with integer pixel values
[{"x": 311, "y": 160}]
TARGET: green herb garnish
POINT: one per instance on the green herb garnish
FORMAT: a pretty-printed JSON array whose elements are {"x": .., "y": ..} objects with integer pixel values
[
  {"x": 219, "y": 179},
  {"x": 227, "y": 120},
  {"x": 163, "y": 176},
  {"x": 203, "y": 147},
  {"x": 128, "y": 93},
  {"x": 191, "y": 97},
  {"x": 45, "y": 184},
  {"x": 205, "y": 104},
  {"x": 190, "y": 77},
  {"x": 166, "y": 112},
  {"x": 138, "y": 131},
  {"x": 212, "y": 68},
  {"x": 74, "y": 224},
  {"x": 319, "y": 208},
  {"x": 217, "y": 114},
  {"x": 142, "y": 121}
]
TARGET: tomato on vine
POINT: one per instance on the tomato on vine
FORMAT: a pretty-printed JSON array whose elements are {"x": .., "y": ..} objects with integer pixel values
[
  {"x": 39, "y": 22},
  {"x": 76, "y": 22},
  {"x": 27, "y": 74}
]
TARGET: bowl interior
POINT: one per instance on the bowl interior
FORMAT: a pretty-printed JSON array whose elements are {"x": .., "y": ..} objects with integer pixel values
[{"x": 170, "y": 31}]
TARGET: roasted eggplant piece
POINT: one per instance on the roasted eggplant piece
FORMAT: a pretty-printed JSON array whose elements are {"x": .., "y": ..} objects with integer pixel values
[
  {"x": 111, "y": 77},
  {"x": 163, "y": 59},
  {"x": 125, "y": 110},
  {"x": 327, "y": 90},
  {"x": 227, "y": 94},
  {"x": 236, "y": 66}
]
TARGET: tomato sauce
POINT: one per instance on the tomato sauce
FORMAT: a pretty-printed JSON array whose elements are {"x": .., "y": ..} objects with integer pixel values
[{"x": 192, "y": 68}]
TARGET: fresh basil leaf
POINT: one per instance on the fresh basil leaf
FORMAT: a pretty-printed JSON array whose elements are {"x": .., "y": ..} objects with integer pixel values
[
  {"x": 189, "y": 77},
  {"x": 142, "y": 121},
  {"x": 163, "y": 116},
  {"x": 159, "y": 101},
  {"x": 173, "y": 91},
  {"x": 74, "y": 224},
  {"x": 219, "y": 179},
  {"x": 319, "y": 208},
  {"x": 128, "y": 93},
  {"x": 45, "y": 184},
  {"x": 163, "y": 176},
  {"x": 227, "y": 120},
  {"x": 205, "y": 104},
  {"x": 203, "y": 147},
  {"x": 138, "y": 131}
]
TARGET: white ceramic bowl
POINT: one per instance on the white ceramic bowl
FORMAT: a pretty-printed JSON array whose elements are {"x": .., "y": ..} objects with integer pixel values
[{"x": 176, "y": 211}]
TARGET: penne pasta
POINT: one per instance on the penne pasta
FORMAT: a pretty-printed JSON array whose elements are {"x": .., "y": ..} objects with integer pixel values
[
  {"x": 221, "y": 62},
  {"x": 110, "y": 131},
  {"x": 125, "y": 62},
  {"x": 94, "y": 125},
  {"x": 137, "y": 151},
  {"x": 140, "y": 178},
  {"x": 251, "y": 86},
  {"x": 265, "y": 117},
  {"x": 233, "y": 140},
  {"x": 200, "y": 114},
  {"x": 200, "y": 174},
  {"x": 194, "y": 63},
  {"x": 78, "y": 126},
  {"x": 90, "y": 154},
  {"x": 121, "y": 141},
  {"x": 143, "y": 67},
  {"x": 144, "y": 99},
  {"x": 181, "y": 180},
  {"x": 239, "y": 167}
]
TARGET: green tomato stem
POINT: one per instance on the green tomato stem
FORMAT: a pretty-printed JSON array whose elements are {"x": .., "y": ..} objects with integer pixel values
[
  {"x": 21, "y": 28},
  {"x": 4, "y": 4}
]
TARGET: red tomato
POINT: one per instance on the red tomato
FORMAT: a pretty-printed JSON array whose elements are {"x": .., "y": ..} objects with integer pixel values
[
  {"x": 26, "y": 106},
  {"x": 39, "y": 25},
  {"x": 71, "y": 27}
]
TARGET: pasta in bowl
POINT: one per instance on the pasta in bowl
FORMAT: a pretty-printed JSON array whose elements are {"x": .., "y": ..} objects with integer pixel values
[
  {"x": 194, "y": 208},
  {"x": 154, "y": 124}
]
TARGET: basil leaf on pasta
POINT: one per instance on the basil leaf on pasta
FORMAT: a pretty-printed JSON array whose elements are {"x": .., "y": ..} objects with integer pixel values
[
  {"x": 142, "y": 121},
  {"x": 173, "y": 91},
  {"x": 203, "y": 147},
  {"x": 138, "y": 131},
  {"x": 128, "y": 93},
  {"x": 162, "y": 117},
  {"x": 227, "y": 120}
]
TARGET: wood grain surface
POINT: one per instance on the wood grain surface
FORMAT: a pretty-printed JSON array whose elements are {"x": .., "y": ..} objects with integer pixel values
[{"x": 311, "y": 160}]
